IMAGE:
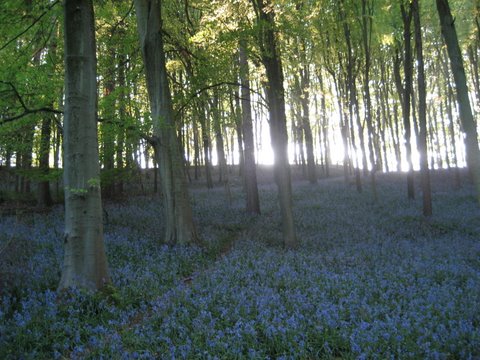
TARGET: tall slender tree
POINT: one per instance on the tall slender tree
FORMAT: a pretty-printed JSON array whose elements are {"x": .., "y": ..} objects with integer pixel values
[
  {"x": 407, "y": 93},
  {"x": 466, "y": 115},
  {"x": 250, "y": 170},
  {"x": 422, "y": 112},
  {"x": 85, "y": 262},
  {"x": 271, "y": 60},
  {"x": 180, "y": 227}
]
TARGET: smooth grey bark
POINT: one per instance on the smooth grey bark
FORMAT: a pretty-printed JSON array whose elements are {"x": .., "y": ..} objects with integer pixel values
[
  {"x": 179, "y": 227},
  {"x": 278, "y": 123},
  {"x": 422, "y": 113},
  {"x": 466, "y": 116},
  {"x": 250, "y": 169},
  {"x": 85, "y": 262}
]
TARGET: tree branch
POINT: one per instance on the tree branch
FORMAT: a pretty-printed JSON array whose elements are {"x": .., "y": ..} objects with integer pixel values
[
  {"x": 26, "y": 109},
  {"x": 152, "y": 140},
  {"x": 208, "y": 87},
  {"x": 30, "y": 26}
]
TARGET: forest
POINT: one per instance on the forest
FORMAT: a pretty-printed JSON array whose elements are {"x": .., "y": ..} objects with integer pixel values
[{"x": 239, "y": 179}]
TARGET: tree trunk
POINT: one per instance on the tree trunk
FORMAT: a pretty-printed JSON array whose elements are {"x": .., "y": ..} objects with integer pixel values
[
  {"x": 466, "y": 116},
  {"x": 343, "y": 130},
  {"x": 237, "y": 113},
  {"x": 250, "y": 169},
  {"x": 107, "y": 130},
  {"x": 278, "y": 123},
  {"x": 307, "y": 129},
  {"x": 85, "y": 262},
  {"x": 407, "y": 91},
  {"x": 196, "y": 149},
  {"x": 58, "y": 138},
  {"x": 122, "y": 112},
  {"x": 219, "y": 143},
  {"x": 352, "y": 97},
  {"x": 44, "y": 196},
  {"x": 206, "y": 147},
  {"x": 324, "y": 126},
  {"x": 367, "y": 13},
  {"x": 451, "y": 123},
  {"x": 178, "y": 213},
  {"x": 422, "y": 113}
]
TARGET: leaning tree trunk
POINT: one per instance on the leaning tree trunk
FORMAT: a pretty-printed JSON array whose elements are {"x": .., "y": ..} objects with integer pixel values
[
  {"x": 178, "y": 212},
  {"x": 422, "y": 113},
  {"x": 85, "y": 263},
  {"x": 278, "y": 122},
  {"x": 466, "y": 116}
]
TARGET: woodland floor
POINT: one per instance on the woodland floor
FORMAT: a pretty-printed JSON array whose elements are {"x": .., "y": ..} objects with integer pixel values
[{"x": 370, "y": 280}]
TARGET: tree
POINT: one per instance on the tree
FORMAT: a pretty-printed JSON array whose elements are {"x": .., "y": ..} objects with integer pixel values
[
  {"x": 466, "y": 116},
  {"x": 250, "y": 170},
  {"x": 422, "y": 112},
  {"x": 278, "y": 124},
  {"x": 406, "y": 93},
  {"x": 85, "y": 262},
  {"x": 367, "y": 14},
  {"x": 180, "y": 227}
]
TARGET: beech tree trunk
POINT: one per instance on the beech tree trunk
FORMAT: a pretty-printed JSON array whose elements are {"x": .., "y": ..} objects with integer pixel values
[
  {"x": 85, "y": 262},
  {"x": 278, "y": 123},
  {"x": 422, "y": 113},
  {"x": 466, "y": 116},
  {"x": 250, "y": 169},
  {"x": 178, "y": 213}
]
